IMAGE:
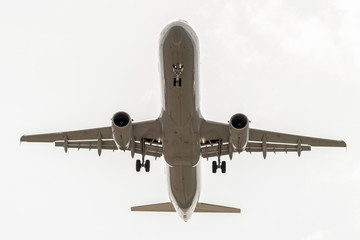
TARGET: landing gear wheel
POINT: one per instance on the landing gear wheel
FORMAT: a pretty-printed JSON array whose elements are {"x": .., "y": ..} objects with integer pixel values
[
  {"x": 147, "y": 166},
  {"x": 223, "y": 167},
  {"x": 214, "y": 166},
  {"x": 138, "y": 165}
]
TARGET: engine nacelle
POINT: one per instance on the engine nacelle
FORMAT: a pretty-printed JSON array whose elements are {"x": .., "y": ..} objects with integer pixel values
[
  {"x": 122, "y": 130},
  {"x": 239, "y": 131}
]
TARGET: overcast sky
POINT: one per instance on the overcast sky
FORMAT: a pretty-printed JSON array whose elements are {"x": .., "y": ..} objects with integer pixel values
[{"x": 290, "y": 66}]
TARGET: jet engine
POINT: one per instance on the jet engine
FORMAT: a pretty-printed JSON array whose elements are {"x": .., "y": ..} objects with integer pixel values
[
  {"x": 239, "y": 131},
  {"x": 122, "y": 130}
]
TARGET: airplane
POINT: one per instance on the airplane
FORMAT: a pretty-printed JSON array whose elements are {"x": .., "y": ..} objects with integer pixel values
[{"x": 180, "y": 134}]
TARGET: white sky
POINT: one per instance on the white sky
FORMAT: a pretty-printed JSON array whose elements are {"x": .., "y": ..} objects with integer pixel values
[{"x": 290, "y": 66}]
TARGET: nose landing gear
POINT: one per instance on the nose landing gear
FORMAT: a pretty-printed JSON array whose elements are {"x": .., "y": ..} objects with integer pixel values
[{"x": 178, "y": 68}]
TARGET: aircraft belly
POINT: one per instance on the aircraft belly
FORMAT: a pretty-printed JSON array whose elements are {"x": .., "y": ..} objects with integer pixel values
[
  {"x": 181, "y": 145},
  {"x": 184, "y": 188},
  {"x": 180, "y": 116}
]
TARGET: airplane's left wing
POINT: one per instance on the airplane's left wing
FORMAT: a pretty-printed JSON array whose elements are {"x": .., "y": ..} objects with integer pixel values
[
  {"x": 146, "y": 137},
  {"x": 216, "y": 141}
]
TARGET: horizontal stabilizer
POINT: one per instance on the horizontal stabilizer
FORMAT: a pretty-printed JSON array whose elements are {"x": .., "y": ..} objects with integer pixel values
[
  {"x": 159, "y": 207},
  {"x": 200, "y": 207},
  {"x": 204, "y": 207}
]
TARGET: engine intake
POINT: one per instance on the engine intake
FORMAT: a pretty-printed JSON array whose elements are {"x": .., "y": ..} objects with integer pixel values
[
  {"x": 239, "y": 131},
  {"x": 122, "y": 130}
]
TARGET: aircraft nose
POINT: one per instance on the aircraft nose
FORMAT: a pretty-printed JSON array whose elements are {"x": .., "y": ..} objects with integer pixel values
[{"x": 177, "y": 35}]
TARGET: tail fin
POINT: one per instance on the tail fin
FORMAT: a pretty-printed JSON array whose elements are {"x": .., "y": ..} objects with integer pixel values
[{"x": 200, "y": 207}]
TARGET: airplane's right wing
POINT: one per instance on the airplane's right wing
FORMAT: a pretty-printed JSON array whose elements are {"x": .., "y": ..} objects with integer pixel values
[{"x": 216, "y": 140}]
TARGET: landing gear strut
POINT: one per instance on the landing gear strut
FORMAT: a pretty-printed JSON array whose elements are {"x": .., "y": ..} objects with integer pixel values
[
  {"x": 219, "y": 163},
  {"x": 143, "y": 163}
]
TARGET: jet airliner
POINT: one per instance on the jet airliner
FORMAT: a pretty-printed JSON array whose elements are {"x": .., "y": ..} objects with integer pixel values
[{"x": 180, "y": 134}]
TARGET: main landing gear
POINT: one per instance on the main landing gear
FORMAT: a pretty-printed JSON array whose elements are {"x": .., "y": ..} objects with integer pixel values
[
  {"x": 142, "y": 163},
  {"x": 221, "y": 165}
]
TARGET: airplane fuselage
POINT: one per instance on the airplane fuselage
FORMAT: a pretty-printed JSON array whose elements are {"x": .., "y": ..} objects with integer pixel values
[{"x": 180, "y": 116}]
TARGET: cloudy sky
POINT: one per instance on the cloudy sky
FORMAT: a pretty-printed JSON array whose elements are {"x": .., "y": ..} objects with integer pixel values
[{"x": 290, "y": 66}]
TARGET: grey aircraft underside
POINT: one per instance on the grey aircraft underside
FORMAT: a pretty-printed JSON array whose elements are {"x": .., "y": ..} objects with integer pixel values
[{"x": 181, "y": 134}]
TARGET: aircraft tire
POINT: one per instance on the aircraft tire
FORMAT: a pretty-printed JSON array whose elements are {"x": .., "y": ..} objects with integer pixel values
[
  {"x": 138, "y": 165},
  {"x": 147, "y": 166},
  {"x": 223, "y": 167},
  {"x": 214, "y": 166}
]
